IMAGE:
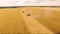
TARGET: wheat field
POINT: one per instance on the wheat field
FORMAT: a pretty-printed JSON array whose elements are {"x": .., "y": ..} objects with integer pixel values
[{"x": 43, "y": 20}]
